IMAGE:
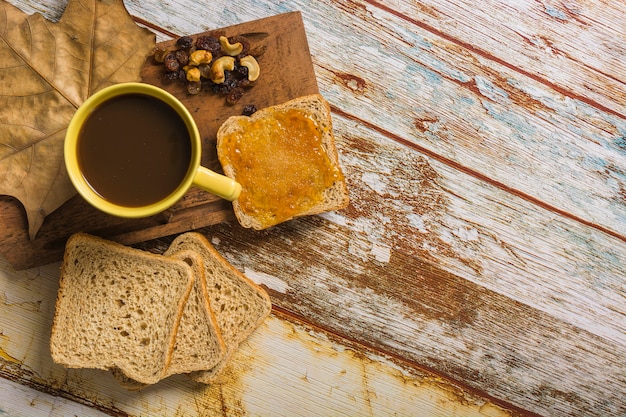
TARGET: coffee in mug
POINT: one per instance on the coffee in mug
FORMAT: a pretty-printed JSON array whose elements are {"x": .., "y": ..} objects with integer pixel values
[{"x": 133, "y": 150}]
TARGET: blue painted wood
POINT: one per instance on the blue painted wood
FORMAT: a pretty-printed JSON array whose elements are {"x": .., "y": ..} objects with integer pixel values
[
  {"x": 485, "y": 113},
  {"x": 485, "y": 150}
]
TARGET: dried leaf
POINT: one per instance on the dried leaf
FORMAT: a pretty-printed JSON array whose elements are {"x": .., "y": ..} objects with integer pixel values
[{"x": 47, "y": 69}]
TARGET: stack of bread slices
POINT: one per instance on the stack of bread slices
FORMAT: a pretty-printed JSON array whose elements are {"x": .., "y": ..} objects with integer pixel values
[{"x": 146, "y": 316}]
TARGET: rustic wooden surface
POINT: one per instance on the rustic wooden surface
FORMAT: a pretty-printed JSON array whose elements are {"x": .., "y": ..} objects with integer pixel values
[
  {"x": 481, "y": 266},
  {"x": 273, "y": 40}
]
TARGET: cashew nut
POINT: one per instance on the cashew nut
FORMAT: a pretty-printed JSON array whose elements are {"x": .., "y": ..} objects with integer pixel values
[
  {"x": 231, "y": 49},
  {"x": 192, "y": 73},
  {"x": 221, "y": 64},
  {"x": 254, "y": 70},
  {"x": 200, "y": 56}
]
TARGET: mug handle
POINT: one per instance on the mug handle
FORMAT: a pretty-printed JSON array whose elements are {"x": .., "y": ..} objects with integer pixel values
[{"x": 217, "y": 184}]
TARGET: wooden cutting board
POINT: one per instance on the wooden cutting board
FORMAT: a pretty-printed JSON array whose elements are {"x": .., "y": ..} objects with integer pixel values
[{"x": 286, "y": 72}]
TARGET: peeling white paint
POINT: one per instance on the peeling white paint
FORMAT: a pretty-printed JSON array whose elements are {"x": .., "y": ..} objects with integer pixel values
[
  {"x": 466, "y": 234},
  {"x": 18, "y": 400},
  {"x": 374, "y": 181},
  {"x": 335, "y": 218},
  {"x": 417, "y": 222},
  {"x": 491, "y": 91},
  {"x": 381, "y": 253},
  {"x": 356, "y": 248},
  {"x": 268, "y": 280},
  {"x": 429, "y": 247}
]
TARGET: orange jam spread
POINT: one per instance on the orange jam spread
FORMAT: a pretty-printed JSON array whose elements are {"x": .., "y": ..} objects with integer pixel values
[{"x": 281, "y": 165}]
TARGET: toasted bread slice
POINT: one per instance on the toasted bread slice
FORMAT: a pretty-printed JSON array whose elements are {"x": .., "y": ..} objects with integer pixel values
[
  {"x": 239, "y": 304},
  {"x": 118, "y": 307},
  {"x": 285, "y": 158}
]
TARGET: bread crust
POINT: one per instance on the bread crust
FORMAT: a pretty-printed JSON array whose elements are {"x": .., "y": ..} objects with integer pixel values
[
  {"x": 104, "y": 285},
  {"x": 199, "y": 344},
  {"x": 240, "y": 305},
  {"x": 105, "y": 314},
  {"x": 335, "y": 197}
]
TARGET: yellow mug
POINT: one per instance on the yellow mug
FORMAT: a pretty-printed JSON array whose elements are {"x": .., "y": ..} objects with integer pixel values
[{"x": 133, "y": 150}]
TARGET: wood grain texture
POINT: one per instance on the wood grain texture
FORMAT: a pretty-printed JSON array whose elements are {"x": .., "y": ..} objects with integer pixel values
[
  {"x": 303, "y": 370},
  {"x": 477, "y": 115},
  {"x": 429, "y": 279},
  {"x": 274, "y": 38},
  {"x": 574, "y": 47},
  {"x": 486, "y": 238},
  {"x": 444, "y": 97},
  {"x": 20, "y": 400}
]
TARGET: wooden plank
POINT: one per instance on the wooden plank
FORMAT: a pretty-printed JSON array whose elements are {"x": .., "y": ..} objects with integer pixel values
[
  {"x": 575, "y": 48},
  {"x": 18, "y": 400},
  {"x": 454, "y": 274},
  {"x": 277, "y": 39},
  {"x": 466, "y": 108},
  {"x": 477, "y": 115},
  {"x": 286, "y": 368},
  {"x": 492, "y": 252}
]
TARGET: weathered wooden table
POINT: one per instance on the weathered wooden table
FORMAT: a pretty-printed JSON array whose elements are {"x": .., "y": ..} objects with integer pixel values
[{"x": 480, "y": 269}]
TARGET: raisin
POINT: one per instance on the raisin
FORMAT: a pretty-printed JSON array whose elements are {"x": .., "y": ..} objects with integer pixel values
[
  {"x": 240, "y": 76},
  {"x": 205, "y": 70},
  {"x": 220, "y": 88},
  {"x": 171, "y": 63},
  {"x": 234, "y": 95},
  {"x": 171, "y": 75},
  {"x": 208, "y": 43},
  {"x": 193, "y": 87},
  {"x": 184, "y": 42},
  {"x": 230, "y": 81},
  {"x": 182, "y": 56},
  {"x": 240, "y": 72},
  {"x": 244, "y": 43},
  {"x": 249, "y": 110}
]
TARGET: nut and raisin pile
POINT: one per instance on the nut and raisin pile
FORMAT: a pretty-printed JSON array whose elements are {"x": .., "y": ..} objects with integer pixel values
[{"x": 223, "y": 65}]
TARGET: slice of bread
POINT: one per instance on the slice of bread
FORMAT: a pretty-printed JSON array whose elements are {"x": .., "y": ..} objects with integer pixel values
[
  {"x": 239, "y": 304},
  {"x": 285, "y": 158},
  {"x": 126, "y": 382},
  {"x": 199, "y": 344},
  {"x": 118, "y": 307}
]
